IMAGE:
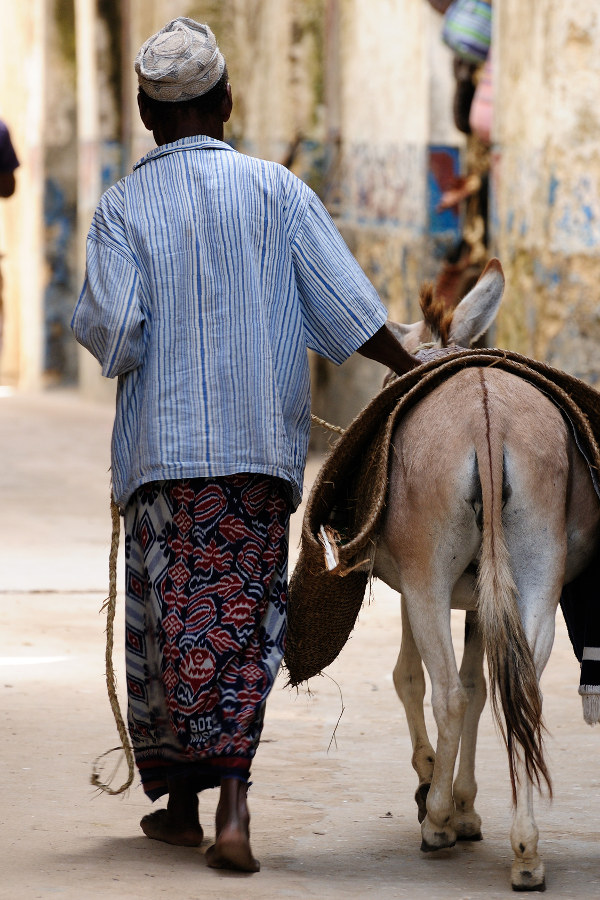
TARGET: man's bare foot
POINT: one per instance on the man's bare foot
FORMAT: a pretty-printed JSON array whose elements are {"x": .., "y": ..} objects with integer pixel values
[
  {"x": 231, "y": 849},
  {"x": 160, "y": 826},
  {"x": 178, "y": 823}
]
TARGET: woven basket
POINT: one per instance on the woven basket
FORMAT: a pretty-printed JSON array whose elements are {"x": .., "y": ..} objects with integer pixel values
[
  {"x": 316, "y": 635},
  {"x": 350, "y": 490}
]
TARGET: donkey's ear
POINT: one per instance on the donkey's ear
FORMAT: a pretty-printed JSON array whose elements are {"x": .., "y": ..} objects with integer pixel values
[
  {"x": 476, "y": 312},
  {"x": 400, "y": 331}
]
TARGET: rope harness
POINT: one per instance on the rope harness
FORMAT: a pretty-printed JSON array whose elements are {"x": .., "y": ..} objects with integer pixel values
[
  {"x": 393, "y": 376},
  {"x": 325, "y": 424}
]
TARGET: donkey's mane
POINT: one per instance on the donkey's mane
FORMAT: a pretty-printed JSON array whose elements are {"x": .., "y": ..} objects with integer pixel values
[{"x": 436, "y": 314}]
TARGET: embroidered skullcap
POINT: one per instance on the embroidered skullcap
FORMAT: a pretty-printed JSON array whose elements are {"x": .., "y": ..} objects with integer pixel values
[{"x": 179, "y": 62}]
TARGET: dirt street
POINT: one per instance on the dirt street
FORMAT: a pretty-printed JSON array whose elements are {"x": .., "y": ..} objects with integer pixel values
[{"x": 333, "y": 811}]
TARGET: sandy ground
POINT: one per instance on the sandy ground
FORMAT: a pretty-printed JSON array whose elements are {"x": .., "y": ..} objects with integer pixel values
[{"x": 333, "y": 814}]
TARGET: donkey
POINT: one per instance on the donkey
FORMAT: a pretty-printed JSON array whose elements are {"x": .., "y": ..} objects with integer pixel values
[{"x": 491, "y": 509}]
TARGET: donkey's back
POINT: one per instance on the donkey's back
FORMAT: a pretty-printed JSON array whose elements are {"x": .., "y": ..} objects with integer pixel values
[{"x": 486, "y": 423}]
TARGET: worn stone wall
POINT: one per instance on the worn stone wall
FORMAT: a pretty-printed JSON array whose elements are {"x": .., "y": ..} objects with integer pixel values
[
  {"x": 102, "y": 123},
  {"x": 22, "y": 93},
  {"x": 350, "y": 100},
  {"x": 60, "y": 195},
  {"x": 274, "y": 55},
  {"x": 43, "y": 232},
  {"x": 384, "y": 133},
  {"x": 391, "y": 101},
  {"x": 546, "y": 222}
]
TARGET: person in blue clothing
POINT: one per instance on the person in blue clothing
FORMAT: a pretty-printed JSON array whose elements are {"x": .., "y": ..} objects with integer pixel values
[
  {"x": 8, "y": 162},
  {"x": 8, "y": 165},
  {"x": 209, "y": 275}
]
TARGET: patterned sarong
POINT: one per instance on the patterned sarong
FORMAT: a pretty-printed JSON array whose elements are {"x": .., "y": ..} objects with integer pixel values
[{"x": 206, "y": 586}]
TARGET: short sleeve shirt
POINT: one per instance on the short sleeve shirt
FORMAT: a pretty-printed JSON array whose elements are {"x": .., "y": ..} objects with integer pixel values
[{"x": 209, "y": 274}]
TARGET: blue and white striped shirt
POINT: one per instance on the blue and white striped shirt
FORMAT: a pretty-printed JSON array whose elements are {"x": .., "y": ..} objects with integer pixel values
[{"x": 208, "y": 275}]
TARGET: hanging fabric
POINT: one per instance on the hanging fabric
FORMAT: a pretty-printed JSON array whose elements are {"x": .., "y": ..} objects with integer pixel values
[{"x": 467, "y": 29}]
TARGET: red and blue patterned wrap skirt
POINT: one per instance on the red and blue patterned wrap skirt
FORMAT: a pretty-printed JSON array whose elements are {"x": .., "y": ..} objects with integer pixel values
[{"x": 206, "y": 588}]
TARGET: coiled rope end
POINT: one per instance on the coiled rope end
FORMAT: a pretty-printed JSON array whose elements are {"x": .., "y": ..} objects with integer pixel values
[{"x": 110, "y": 605}]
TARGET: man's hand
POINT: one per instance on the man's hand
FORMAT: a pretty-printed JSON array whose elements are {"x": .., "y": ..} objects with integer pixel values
[{"x": 385, "y": 348}]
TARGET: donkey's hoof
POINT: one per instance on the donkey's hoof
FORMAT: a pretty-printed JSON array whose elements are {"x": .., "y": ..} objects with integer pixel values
[
  {"x": 421, "y": 800},
  {"x": 533, "y": 887},
  {"x": 525, "y": 878},
  {"x": 476, "y": 836},
  {"x": 467, "y": 826},
  {"x": 436, "y": 838},
  {"x": 432, "y": 848}
]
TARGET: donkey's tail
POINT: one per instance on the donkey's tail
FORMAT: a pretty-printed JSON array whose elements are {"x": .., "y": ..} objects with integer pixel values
[{"x": 514, "y": 692}]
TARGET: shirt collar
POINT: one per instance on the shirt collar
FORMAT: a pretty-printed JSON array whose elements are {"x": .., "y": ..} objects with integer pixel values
[{"x": 196, "y": 142}]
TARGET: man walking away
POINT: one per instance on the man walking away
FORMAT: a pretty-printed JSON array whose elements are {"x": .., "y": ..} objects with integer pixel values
[{"x": 209, "y": 274}]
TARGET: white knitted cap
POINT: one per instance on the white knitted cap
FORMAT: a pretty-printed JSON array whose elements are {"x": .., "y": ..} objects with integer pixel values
[{"x": 179, "y": 62}]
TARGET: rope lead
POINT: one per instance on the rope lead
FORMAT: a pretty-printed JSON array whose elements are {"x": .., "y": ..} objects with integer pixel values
[
  {"x": 110, "y": 605},
  {"x": 325, "y": 424}
]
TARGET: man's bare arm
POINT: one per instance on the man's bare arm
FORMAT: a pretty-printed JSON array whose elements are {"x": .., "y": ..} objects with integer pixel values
[{"x": 384, "y": 348}]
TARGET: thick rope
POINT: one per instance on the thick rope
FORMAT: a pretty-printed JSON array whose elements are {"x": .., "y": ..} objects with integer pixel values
[
  {"x": 110, "y": 605},
  {"x": 325, "y": 424}
]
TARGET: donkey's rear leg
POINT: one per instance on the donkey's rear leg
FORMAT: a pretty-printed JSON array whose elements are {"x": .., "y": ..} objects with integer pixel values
[
  {"x": 466, "y": 822},
  {"x": 409, "y": 681},
  {"x": 429, "y": 614},
  {"x": 539, "y": 616}
]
